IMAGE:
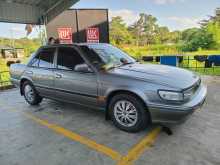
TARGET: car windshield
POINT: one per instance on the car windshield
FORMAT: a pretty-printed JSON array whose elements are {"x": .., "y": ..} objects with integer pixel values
[{"x": 108, "y": 56}]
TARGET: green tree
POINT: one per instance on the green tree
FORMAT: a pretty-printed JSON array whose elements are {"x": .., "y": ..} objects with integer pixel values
[
  {"x": 212, "y": 25},
  {"x": 144, "y": 29},
  {"x": 197, "y": 38},
  {"x": 175, "y": 36},
  {"x": 188, "y": 34},
  {"x": 150, "y": 28},
  {"x": 214, "y": 29},
  {"x": 119, "y": 33},
  {"x": 162, "y": 35}
]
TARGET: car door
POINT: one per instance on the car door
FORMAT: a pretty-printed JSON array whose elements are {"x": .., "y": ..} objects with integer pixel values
[
  {"x": 41, "y": 71},
  {"x": 72, "y": 85}
]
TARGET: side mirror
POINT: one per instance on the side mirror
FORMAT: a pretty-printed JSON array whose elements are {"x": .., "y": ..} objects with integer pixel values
[{"x": 83, "y": 68}]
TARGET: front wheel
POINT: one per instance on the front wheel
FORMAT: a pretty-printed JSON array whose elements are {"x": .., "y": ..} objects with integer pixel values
[
  {"x": 128, "y": 113},
  {"x": 30, "y": 94}
]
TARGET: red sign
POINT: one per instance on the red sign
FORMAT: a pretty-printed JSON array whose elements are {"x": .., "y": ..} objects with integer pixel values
[
  {"x": 92, "y": 35},
  {"x": 65, "y": 35}
]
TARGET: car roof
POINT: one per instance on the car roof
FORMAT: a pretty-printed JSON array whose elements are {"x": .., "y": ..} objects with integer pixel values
[{"x": 75, "y": 44}]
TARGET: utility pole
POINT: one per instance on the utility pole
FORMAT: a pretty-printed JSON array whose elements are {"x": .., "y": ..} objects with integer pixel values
[{"x": 12, "y": 38}]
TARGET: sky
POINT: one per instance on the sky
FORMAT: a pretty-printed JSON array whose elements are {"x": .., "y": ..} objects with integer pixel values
[{"x": 176, "y": 14}]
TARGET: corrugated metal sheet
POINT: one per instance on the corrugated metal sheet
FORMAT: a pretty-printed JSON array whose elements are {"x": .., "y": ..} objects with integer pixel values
[{"x": 32, "y": 11}]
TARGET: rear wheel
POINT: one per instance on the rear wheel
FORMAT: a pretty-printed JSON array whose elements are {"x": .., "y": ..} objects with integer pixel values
[
  {"x": 30, "y": 94},
  {"x": 128, "y": 113}
]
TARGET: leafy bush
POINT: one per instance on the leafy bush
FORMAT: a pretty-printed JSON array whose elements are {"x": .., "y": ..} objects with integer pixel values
[{"x": 196, "y": 39}]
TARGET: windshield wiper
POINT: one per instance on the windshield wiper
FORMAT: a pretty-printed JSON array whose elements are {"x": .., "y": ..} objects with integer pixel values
[
  {"x": 129, "y": 63},
  {"x": 105, "y": 67}
]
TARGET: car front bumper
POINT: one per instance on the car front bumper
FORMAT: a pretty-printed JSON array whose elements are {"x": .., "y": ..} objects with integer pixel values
[
  {"x": 15, "y": 82},
  {"x": 168, "y": 114}
]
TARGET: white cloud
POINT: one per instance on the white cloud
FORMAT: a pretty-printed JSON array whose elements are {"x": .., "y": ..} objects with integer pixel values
[
  {"x": 185, "y": 22},
  {"x": 179, "y": 23},
  {"x": 17, "y": 29},
  {"x": 128, "y": 16},
  {"x": 162, "y": 2}
]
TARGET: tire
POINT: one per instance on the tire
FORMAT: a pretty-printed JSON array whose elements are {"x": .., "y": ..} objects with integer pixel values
[
  {"x": 32, "y": 98},
  {"x": 139, "y": 115}
]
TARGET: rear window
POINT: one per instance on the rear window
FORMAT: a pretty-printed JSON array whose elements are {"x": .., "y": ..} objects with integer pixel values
[{"x": 44, "y": 59}]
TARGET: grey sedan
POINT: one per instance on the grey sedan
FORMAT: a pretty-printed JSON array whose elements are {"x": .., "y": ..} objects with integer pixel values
[{"x": 101, "y": 76}]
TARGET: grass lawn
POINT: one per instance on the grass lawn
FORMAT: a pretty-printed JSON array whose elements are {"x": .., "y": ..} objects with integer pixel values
[{"x": 138, "y": 52}]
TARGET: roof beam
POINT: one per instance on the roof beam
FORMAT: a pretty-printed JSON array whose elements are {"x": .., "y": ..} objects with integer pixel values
[
  {"x": 19, "y": 13},
  {"x": 58, "y": 8},
  {"x": 32, "y": 11}
]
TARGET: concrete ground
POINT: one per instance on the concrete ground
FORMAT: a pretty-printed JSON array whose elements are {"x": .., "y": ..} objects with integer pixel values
[{"x": 63, "y": 134}]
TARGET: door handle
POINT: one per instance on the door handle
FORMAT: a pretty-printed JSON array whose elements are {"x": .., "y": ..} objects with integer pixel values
[
  {"x": 58, "y": 75},
  {"x": 29, "y": 72}
]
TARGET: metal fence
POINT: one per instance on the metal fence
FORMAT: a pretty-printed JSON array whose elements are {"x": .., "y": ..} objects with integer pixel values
[
  {"x": 203, "y": 64},
  {"x": 209, "y": 65}
]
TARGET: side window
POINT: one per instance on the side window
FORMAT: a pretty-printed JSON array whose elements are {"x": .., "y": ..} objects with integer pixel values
[
  {"x": 68, "y": 58},
  {"x": 44, "y": 58},
  {"x": 35, "y": 61}
]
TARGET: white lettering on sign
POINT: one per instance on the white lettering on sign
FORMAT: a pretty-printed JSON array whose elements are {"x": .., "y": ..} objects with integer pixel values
[
  {"x": 65, "y": 35},
  {"x": 92, "y": 35}
]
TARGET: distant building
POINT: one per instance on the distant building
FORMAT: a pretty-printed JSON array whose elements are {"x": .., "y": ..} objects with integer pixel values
[
  {"x": 20, "y": 53},
  {"x": 9, "y": 52}
]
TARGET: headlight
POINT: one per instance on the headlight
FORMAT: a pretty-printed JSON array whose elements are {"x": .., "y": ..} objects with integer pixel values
[
  {"x": 188, "y": 94},
  {"x": 171, "y": 95}
]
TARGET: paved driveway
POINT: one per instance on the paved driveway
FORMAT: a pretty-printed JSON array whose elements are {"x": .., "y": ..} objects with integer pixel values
[{"x": 64, "y": 134}]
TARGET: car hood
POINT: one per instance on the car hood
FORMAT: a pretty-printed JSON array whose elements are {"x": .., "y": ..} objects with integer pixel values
[{"x": 161, "y": 74}]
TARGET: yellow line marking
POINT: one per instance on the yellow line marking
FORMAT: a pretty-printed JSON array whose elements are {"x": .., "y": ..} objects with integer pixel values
[
  {"x": 73, "y": 136},
  {"x": 132, "y": 155},
  {"x": 140, "y": 147}
]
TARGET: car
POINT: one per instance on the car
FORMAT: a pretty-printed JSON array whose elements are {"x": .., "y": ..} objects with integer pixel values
[{"x": 101, "y": 76}]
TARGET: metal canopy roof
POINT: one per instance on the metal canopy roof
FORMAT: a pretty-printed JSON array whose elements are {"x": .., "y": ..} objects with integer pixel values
[{"x": 32, "y": 11}]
